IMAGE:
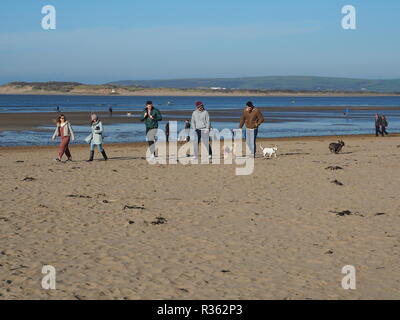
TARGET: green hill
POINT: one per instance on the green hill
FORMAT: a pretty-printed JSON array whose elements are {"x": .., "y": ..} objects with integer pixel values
[{"x": 296, "y": 83}]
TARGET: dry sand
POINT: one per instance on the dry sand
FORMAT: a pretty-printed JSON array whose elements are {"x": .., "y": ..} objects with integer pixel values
[{"x": 271, "y": 235}]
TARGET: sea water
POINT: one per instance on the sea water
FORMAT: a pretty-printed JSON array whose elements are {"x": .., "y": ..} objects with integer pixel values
[{"x": 285, "y": 123}]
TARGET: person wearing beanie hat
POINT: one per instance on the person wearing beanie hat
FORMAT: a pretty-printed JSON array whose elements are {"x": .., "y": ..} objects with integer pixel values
[
  {"x": 200, "y": 123},
  {"x": 96, "y": 137},
  {"x": 151, "y": 117},
  {"x": 252, "y": 118}
]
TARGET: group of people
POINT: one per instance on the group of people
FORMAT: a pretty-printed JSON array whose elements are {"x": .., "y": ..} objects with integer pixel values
[
  {"x": 200, "y": 123},
  {"x": 381, "y": 124},
  {"x": 66, "y": 133}
]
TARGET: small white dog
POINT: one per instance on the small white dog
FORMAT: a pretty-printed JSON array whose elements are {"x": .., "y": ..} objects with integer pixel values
[{"x": 269, "y": 151}]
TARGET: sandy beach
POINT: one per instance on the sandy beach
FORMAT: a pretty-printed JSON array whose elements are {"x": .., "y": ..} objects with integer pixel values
[{"x": 124, "y": 229}]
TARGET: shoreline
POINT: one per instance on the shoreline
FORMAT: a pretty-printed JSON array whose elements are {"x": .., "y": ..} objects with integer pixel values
[
  {"x": 197, "y": 93},
  {"x": 140, "y": 144},
  {"x": 15, "y": 121}
]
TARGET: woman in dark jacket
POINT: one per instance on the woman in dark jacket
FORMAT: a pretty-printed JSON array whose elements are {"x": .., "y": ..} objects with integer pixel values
[
  {"x": 384, "y": 125},
  {"x": 151, "y": 117}
]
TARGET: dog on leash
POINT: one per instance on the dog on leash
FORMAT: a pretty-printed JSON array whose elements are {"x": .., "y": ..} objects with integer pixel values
[
  {"x": 336, "y": 147},
  {"x": 269, "y": 152}
]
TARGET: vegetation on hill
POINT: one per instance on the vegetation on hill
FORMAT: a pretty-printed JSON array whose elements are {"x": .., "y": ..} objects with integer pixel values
[
  {"x": 240, "y": 86},
  {"x": 280, "y": 83}
]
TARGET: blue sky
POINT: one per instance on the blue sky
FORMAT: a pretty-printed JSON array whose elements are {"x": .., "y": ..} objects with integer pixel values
[{"x": 97, "y": 41}]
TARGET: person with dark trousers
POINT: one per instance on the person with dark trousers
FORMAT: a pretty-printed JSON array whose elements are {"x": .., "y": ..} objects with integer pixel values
[
  {"x": 96, "y": 137},
  {"x": 151, "y": 117},
  {"x": 384, "y": 125},
  {"x": 252, "y": 118},
  {"x": 378, "y": 125},
  {"x": 167, "y": 132},
  {"x": 200, "y": 123},
  {"x": 110, "y": 110}
]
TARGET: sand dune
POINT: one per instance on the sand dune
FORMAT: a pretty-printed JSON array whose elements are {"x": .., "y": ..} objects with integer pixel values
[{"x": 124, "y": 229}]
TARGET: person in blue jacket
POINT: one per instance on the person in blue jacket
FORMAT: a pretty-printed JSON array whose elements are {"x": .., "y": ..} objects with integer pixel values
[{"x": 96, "y": 137}]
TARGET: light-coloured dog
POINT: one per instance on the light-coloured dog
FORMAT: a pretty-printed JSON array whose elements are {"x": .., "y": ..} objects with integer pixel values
[{"x": 269, "y": 152}]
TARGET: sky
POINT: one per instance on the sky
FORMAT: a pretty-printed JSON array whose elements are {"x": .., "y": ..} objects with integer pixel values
[{"x": 98, "y": 41}]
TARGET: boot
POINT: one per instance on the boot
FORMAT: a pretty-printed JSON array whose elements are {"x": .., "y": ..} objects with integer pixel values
[
  {"x": 104, "y": 155},
  {"x": 91, "y": 156}
]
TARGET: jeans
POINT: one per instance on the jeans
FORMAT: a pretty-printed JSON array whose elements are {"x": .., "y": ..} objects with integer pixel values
[
  {"x": 151, "y": 138},
  {"x": 99, "y": 146},
  {"x": 252, "y": 144},
  {"x": 196, "y": 147}
]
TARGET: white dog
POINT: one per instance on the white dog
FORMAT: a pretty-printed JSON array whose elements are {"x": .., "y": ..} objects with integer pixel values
[{"x": 269, "y": 151}]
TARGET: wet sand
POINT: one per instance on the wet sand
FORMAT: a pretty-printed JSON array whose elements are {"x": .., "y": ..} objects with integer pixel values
[
  {"x": 30, "y": 121},
  {"x": 124, "y": 229}
]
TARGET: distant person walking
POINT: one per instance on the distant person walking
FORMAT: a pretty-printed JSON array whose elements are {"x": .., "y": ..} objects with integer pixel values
[
  {"x": 151, "y": 117},
  {"x": 63, "y": 130},
  {"x": 167, "y": 132},
  {"x": 378, "y": 125},
  {"x": 200, "y": 123},
  {"x": 384, "y": 125},
  {"x": 96, "y": 137},
  {"x": 110, "y": 110},
  {"x": 252, "y": 118}
]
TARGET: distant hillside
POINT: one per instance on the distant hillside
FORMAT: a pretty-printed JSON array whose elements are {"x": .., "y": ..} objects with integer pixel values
[
  {"x": 295, "y": 83},
  {"x": 166, "y": 88}
]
